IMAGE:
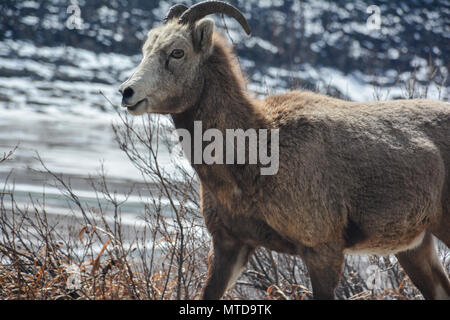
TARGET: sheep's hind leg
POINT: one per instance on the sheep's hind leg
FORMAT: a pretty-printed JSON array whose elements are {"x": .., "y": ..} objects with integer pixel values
[
  {"x": 442, "y": 229},
  {"x": 424, "y": 269},
  {"x": 226, "y": 260}
]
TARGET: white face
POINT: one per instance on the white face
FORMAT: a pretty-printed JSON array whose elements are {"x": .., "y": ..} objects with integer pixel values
[{"x": 168, "y": 78}]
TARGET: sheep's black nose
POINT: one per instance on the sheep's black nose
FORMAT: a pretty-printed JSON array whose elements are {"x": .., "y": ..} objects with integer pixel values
[{"x": 127, "y": 93}]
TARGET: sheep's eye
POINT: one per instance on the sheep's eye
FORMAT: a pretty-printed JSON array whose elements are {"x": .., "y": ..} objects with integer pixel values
[{"x": 177, "y": 54}]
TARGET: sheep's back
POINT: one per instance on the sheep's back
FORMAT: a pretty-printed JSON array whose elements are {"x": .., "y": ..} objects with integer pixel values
[{"x": 383, "y": 166}]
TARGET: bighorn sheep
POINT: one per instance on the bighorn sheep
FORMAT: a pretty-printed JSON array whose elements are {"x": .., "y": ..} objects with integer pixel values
[{"x": 353, "y": 177}]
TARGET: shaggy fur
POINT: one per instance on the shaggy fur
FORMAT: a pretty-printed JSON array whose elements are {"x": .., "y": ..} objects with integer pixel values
[{"x": 353, "y": 177}]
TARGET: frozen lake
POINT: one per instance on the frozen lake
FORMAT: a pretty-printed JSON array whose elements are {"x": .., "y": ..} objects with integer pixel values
[{"x": 76, "y": 146}]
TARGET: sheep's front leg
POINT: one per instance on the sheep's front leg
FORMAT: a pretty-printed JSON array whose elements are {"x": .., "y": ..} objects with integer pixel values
[
  {"x": 324, "y": 265},
  {"x": 227, "y": 259}
]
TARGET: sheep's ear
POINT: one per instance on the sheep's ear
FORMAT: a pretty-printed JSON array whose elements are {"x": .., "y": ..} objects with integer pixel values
[{"x": 202, "y": 35}]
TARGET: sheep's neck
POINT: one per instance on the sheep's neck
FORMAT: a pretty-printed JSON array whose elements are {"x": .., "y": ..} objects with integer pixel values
[{"x": 223, "y": 104}]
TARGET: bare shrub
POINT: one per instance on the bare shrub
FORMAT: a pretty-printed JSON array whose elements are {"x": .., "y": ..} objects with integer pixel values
[
  {"x": 7, "y": 155},
  {"x": 92, "y": 254}
]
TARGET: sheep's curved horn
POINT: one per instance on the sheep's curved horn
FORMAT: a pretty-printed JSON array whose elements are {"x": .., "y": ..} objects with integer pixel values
[
  {"x": 175, "y": 12},
  {"x": 202, "y": 9}
]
